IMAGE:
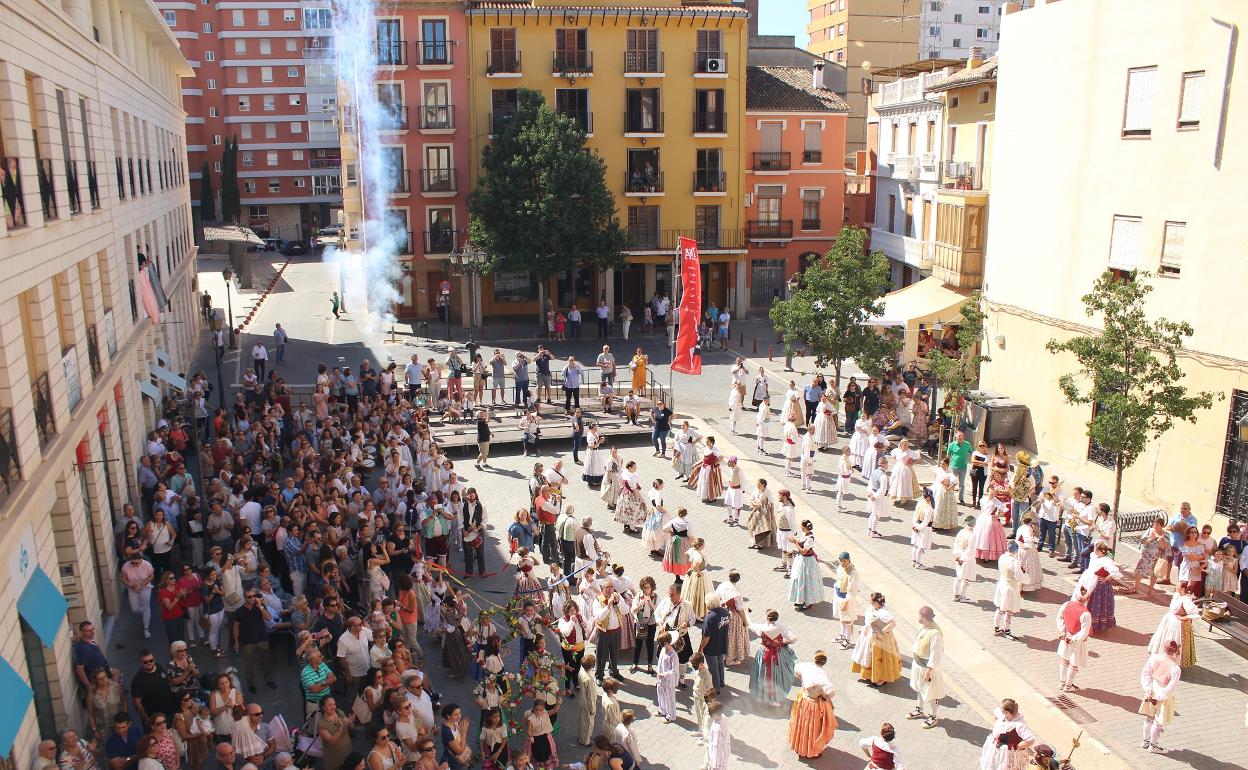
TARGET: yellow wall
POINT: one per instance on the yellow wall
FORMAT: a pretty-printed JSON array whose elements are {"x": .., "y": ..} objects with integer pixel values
[
  {"x": 607, "y": 40},
  {"x": 967, "y": 116}
]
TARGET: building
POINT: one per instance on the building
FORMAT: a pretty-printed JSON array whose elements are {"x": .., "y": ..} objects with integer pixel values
[
  {"x": 93, "y": 173},
  {"x": 1123, "y": 157},
  {"x": 795, "y": 177},
  {"x": 910, "y": 128},
  {"x": 660, "y": 88},
  {"x": 949, "y": 29},
  {"x": 263, "y": 72}
]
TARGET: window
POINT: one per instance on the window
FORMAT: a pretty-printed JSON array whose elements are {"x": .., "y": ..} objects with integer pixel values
[
  {"x": 296, "y": 127},
  {"x": 326, "y": 185},
  {"x": 296, "y": 100},
  {"x": 317, "y": 18},
  {"x": 258, "y": 212},
  {"x": 953, "y": 102},
  {"x": 266, "y": 46},
  {"x": 275, "y": 185},
  {"x": 812, "y": 146},
  {"x": 216, "y": 139},
  {"x": 1172, "y": 248},
  {"x": 390, "y": 44},
  {"x": 213, "y": 112},
  {"x": 572, "y": 50},
  {"x": 207, "y": 28},
  {"x": 296, "y": 154},
  {"x": 710, "y": 170},
  {"x": 249, "y": 186},
  {"x": 985, "y": 9},
  {"x": 171, "y": 18},
  {"x": 292, "y": 45},
  {"x": 981, "y": 33},
  {"x": 709, "y": 56},
  {"x": 266, "y": 74},
  {"x": 1124, "y": 243},
  {"x": 957, "y": 18},
  {"x": 270, "y": 102},
  {"x": 810, "y": 209},
  {"x": 244, "y": 104},
  {"x": 933, "y": 31},
  {"x": 642, "y": 54},
  {"x": 351, "y": 178},
  {"x": 248, "y": 159},
  {"x": 930, "y": 138},
  {"x": 262, "y": 17},
  {"x": 892, "y": 213},
  {"x": 642, "y": 111},
  {"x": 270, "y": 158},
  {"x": 217, "y": 167},
  {"x": 240, "y": 45},
  {"x": 236, "y": 18},
  {"x": 300, "y": 182},
  {"x": 574, "y": 103},
  {"x": 434, "y": 47},
  {"x": 515, "y": 286},
  {"x": 288, "y": 15},
  {"x": 709, "y": 111},
  {"x": 935, "y": 6},
  {"x": 1137, "y": 119},
  {"x": 270, "y": 130},
  {"x": 504, "y": 56},
  {"x": 292, "y": 72},
  {"x": 240, "y": 74},
  {"x": 1191, "y": 94},
  {"x": 245, "y": 130},
  {"x": 706, "y": 226},
  {"x": 643, "y": 227},
  {"x": 957, "y": 42},
  {"x": 212, "y": 84}
]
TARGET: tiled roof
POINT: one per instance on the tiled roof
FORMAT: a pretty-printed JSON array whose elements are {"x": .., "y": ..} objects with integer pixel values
[
  {"x": 515, "y": 5},
  {"x": 788, "y": 89},
  {"x": 984, "y": 73}
]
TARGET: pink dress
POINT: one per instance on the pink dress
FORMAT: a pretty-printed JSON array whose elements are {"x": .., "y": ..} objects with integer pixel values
[{"x": 989, "y": 537}]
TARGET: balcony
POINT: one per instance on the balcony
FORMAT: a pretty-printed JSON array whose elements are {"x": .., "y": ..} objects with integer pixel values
[
  {"x": 582, "y": 118},
  {"x": 11, "y": 193},
  {"x": 41, "y": 396},
  {"x": 813, "y": 156},
  {"x": 714, "y": 123},
  {"x": 643, "y": 123},
  {"x": 47, "y": 193},
  {"x": 437, "y": 180},
  {"x": 643, "y": 239},
  {"x": 710, "y": 182},
  {"x": 709, "y": 239},
  {"x": 640, "y": 184},
  {"x": 71, "y": 184},
  {"x": 911, "y": 251},
  {"x": 394, "y": 117},
  {"x": 10, "y": 468},
  {"x": 710, "y": 63},
  {"x": 434, "y": 53},
  {"x": 437, "y": 117},
  {"x": 568, "y": 63},
  {"x": 318, "y": 163},
  {"x": 502, "y": 63},
  {"x": 769, "y": 230},
  {"x": 318, "y": 52},
  {"x": 643, "y": 63},
  {"x": 441, "y": 241},
  {"x": 406, "y": 246},
  {"x": 772, "y": 161},
  {"x": 134, "y": 190},
  {"x": 391, "y": 53},
  {"x": 961, "y": 175}
]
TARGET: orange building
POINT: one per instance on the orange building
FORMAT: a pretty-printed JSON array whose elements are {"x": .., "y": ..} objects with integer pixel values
[{"x": 794, "y": 174}]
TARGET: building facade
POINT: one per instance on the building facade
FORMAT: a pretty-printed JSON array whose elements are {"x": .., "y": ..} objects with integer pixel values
[
  {"x": 949, "y": 29},
  {"x": 795, "y": 174},
  {"x": 92, "y": 137},
  {"x": 1131, "y": 151},
  {"x": 263, "y": 73}
]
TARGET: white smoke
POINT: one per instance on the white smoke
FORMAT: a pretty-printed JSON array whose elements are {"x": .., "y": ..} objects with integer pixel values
[{"x": 370, "y": 279}]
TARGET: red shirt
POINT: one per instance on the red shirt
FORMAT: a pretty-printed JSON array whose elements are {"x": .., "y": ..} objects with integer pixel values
[
  {"x": 165, "y": 612},
  {"x": 190, "y": 584}
]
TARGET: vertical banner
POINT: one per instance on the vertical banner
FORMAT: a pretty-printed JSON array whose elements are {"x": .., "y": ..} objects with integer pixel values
[{"x": 687, "y": 359}]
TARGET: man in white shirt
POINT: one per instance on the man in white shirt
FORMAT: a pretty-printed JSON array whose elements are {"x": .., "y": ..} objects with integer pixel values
[
  {"x": 414, "y": 375},
  {"x": 604, "y": 319},
  {"x": 414, "y": 683},
  {"x": 609, "y": 612},
  {"x": 606, "y": 362},
  {"x": 574, "y": 321},
  {"x": 260, "y": 355},
  {"x": 555, "y": 476},
  {"x": 353, "y": 652},
  {"x": 250, "y": 513}
]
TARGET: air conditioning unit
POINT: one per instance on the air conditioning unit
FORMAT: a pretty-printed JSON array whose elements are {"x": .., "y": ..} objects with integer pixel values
[{"x": 716, "y": 65}]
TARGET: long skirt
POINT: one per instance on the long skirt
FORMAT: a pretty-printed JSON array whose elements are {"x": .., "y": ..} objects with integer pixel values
[
  {"x": 1101, "y": 605},
  {"x": 1030, "y": 561},
  {"x": 989, "y": 538},
  {"x": 686, "y": 463},
  {"x": 653, "y": 536},
  {"x": 738, "y": 638},
  {"x": 542, "y": 751},
  {"x": 806, "y": 583},
  {"x": 993, "y": 757},
  {"x": 1188, "y": 657},
  {"x": 825, "y": 430},
  {"x": 946, "y": 507},
  {"x": 675, "y": 562},
  {"x": 709, "y": 483},
  {"x": 630, "y": 509},
  {"x": 455, "y": 653},
  {"x": 595, "y": 467},
  {"x": 812, "y": 725},
  {"x": 884, "y": 665},
  {"x": 694, "y": 592},
  {"x": 902, "y": 484},
  {"x": 611, "y": 489},
  {"x": 772, "y": 676}
]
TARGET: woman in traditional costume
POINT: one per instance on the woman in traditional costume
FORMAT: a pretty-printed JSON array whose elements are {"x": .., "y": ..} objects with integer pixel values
[
  {"x": 1006, "y": 747},
  {"x": 845, "y": 601},
  {"x": 611, "y": 484},
  {"x": 630, "y": 506},
  {"x": 731, "y": 599},
  {"x": 654, "y": 533},
  {"x": 1159, "y": 679},
  {"x": 989, "y": 532},
  {"x": 772, "y": 673},
  {"x": 1098, "y": 580},
  {"x": 596, "y": 457},
  {"x": 1176, "y": 626},
  {"x": 825, "y": 422},
  {"x": 876, "y": 656},
  {"x": 812, "y": 720},
  {"x": 861, "y": 440},
  {"x": 921, "y": 529},
  {"x": 1029, "y": 555},
  {"x": 902, "y": 484},
  {"x": 945, "y": 492},
  {"x": 708, "y": 479},
  {"x": 762, "y": 518},
  {"x": 806, "y": 582},
  {"x": 675, "y": 561},
  {"x": 696, "y": 586},
  {"x": 685, "y": 461}
]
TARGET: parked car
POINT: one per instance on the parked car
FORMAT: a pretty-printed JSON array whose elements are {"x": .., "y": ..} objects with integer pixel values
[
  {"x": 275, "y": 244},
  {"x": 333, "y": 232},
  {"x": 295, "y": 248}
]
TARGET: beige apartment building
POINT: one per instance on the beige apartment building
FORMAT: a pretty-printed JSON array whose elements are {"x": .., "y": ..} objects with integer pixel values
[
  {"x": 1125, "y": 157},
  {"x": 92, "y": 175}
]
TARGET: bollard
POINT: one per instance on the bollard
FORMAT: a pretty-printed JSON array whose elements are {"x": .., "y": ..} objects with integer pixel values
[
  {"x": 742, "y": 343},
  {"x": 755, "y": 346},
  {"x": 769, "y": 352}
]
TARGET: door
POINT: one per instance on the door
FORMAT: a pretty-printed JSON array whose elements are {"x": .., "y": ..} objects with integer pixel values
[
  {"x": 766, "y": 282},
  {"x": 771, "y": 138},
  {"x": 435, "y": 109},
  {"x": 433, "y": 45},
  {"x": 571, "y": 50},
  {"x": 394, "y": 161},
  {"x": 439, "y": 176},
  {"x": 706, "y": 226},
  {"x": 390, "y": 99},
  {"x": 715, "y": 279},
  {"x": 389, "y": 42}
]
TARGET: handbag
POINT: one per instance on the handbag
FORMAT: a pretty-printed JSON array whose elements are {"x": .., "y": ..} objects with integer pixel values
[{"x": 363, "y": 714}]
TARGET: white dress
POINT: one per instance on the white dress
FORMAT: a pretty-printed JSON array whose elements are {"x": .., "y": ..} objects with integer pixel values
[
  {"x": 921, "y": 526},
  {"x": 964, "y": 549},
  {"x": 1170, "y": 629},
  {"x": 1008, "y": 596},
  {"x": 845, "y": 593},
  {"x": 732, "y": 495},
  {"x": 902, "y": 484},
  {"x": 790, "y": 406},
  {"x": 998, "y": 756},
  {"x": 596, "y": 460},
  {"x": 1029, "y": 558},
  {"x": 825, "y": 424},
  {"x": 687, "y": 450},
  {"x": 792, "y": 442},
  {"x": 860, "y": 441}
]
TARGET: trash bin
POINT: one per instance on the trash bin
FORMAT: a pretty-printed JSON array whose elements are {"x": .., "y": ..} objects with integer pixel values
[{"x": 1004, "y": 420}]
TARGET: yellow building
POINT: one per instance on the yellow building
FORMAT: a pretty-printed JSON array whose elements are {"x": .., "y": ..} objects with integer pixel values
[
  {"x": 660, "y": 89},
  {"x": 1123, "y": 157}
]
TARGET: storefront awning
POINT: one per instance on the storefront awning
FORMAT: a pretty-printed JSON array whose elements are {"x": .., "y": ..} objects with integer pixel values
[
  {"x": 42, "y": 606},
  {"x": 161, "y": 373},
  {"x": 162, "y": 357},
  {"x": 927, "y": 302},
  {"x": 17, "y": 698},
  {"x": 149, "y": 390}
]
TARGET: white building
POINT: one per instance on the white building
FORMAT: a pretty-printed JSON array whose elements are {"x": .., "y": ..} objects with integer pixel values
[
  {"x": 911, "y": 129},
  {"x": 949, "y": 28}
]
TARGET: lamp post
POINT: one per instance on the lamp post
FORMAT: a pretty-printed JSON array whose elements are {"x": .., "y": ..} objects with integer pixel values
[
  {"x": 467, "y": 261},
  {"x": 228, "y": 275}
]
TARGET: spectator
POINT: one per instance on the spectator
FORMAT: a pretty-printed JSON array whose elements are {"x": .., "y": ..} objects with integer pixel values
[
  {"x": 150, "y": 691},
  {"x": 251, "y": 637}
]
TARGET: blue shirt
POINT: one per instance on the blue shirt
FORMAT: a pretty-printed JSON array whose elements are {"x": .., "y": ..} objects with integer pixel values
[
  {"x": 293, "y": 549},
  {"x": 1176, "y": 538},
  {"x": 123, "y": 746},
  {"x": 813, "y": 392},
  {"x": 572, "y": 377},
  {"x": 89, "y": 656}
]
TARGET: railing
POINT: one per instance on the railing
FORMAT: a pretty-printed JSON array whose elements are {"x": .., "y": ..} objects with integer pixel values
[
  {"x": 668, "y": 240},
  {"x": 391, "y": 53},
  {"x": 10, "y": 468},
  {"x": 11, "y": 192},
  {"x": 134, "y": 190},
  {"x": 434, "y": 52},
  {"x": 441, "y": 241},
  {"x": 961, "y": 175},
  {"x": 641, "y": 123},
  {"x": 502, "y": 62},
  {"x": 710, "y": 62},
  {"x": 643, "y": 239},
  {"x": 150, "y": 188},
  {"x": 437, "y": 180},
  {"x": 437, "y": 116},
  {"x": 582, "y": 118},
  {"x": 394, "y": 117},
  {"x": 318, "y": 52},
  {"x": 705, "y": 122},
  {"x": 709, "y": 180},
  {"x": 910, "y": 88},
  {"x": 406, "y": 247},
  {"x": 45, "y": 424},
  {"x": 121, "y": 178},
  {"x": 758, "y": 229},
  {"x": 903, "y": 164},
  {"x": 71, "y": 184},
  {"x": 325, "y": 163},
  {"x": 93, "y": 352},
  {"x": 813, "y": 156},
  {"x": 47, "y": 193},
  {"x": 402, "y": 181},
  {"x": 572, "y": 62},
  {"x": 643, "y": 62},
  {"x": 641, "y": 182},
  {"x": 812, "y": 224},
  {"x": 773, "y": 161},
  {"x": 890, "y": 92}
]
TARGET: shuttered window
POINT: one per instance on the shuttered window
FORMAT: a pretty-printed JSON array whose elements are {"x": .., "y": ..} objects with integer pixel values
[
  {"x": 1172, "y": 248},
  {"x": 1124, "y": 243},
  {"x": 1137, "y": 118},
  {"x": 1191, "y": 99}
]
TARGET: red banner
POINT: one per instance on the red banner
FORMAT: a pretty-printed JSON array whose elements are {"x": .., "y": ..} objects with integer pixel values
[{"x": 687, "y": 359}]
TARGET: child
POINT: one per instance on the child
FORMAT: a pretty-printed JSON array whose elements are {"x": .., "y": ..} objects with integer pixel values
[
  {"x": 608, "y": 396},
  {"x": 1213, "y": 579},
  {"x": 550, "y": 324},
  {"x": 665, "y": 682},
  {"x": 494, "y": 750},
  {"x": 647, "y": 320},
  {"x": 703, "y": 690},
  {"x": 611, "y": 714},
  {"x": 844, "y": 471},
  {"x": 760, "y": 424},
  {"x": 201, "y": 735},
  {"x": 808, "y": 460},
  {"x": 625, "y": 736}
]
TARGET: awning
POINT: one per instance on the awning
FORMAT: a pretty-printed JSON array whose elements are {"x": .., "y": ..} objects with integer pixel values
[
  {"x": 161, "y": 373},
  {"x": 17, "y": 696},
  {"x": 162, "y": 357},
  {"x": 927, "y": 302},
  {"x": 149, "y": 390},
  {"x": 42, "y": 606}
]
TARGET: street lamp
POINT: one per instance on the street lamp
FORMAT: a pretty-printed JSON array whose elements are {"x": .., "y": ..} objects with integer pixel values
[
  {"x": 468, "y": 261},
  {"x": 228, "y": 275},
  {"x": 1241, "y": 427}
]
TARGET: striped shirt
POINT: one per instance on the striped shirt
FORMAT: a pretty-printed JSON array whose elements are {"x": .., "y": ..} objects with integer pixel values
[
  {"x": 294, "y": 554},
  {"x": 309, "y": 677}
]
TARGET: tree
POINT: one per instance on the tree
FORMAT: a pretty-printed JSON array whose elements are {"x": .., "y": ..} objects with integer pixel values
[
  {"x": 541, "y": 204},
  {"x": 231, "y": 208},
  {"x": 207, "y": 199},
  {"x": 1128, "y": 372},
  {"x": 828, "y": 312},
  {"x": 955, "y": 375}
]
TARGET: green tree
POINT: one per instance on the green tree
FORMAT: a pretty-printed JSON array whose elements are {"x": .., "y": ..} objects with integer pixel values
[
  {"x": 231, "y": 208},
  {"x": 207, "y": 199},
  {"x": 955, "y": 375},
  {"x": 542, "y": 204},
  {"x": 827, "y": 314},
  {"x": 1128, "y": 372}
]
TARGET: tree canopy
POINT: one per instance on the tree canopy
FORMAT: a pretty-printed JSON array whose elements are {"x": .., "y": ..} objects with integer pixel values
[
  {"x": 207, "y": 200},
  {"x": 955, "y": 375}
]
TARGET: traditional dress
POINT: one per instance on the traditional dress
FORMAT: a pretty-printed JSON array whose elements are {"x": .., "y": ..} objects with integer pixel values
[
  {"x": 630, "y": 507},
  {"x": 902, "y": 484},
  {"x": 738, "y": 633},
  {"x": 792, "y": 445},
  {"x": 927, "y": 655},
  {"x": 845, "y": 606},
  {"x": 921, "y": 526},
  {"x": 809, "y": 453},
  {"x": 686, "y": 458},
  {"x": 871, "y": 457},
  {"x": 702, "y": 686},
  {"x": 877, "y": 499},
  {"x": 665, "y": 683},
  {"x": 708, "y": 479},
  {"x": 696, "y": 585},
  {"x": 1001, "y": 748},
  {"x": 718, "y": 744},
  {"x": 760, "y": 427},
  {"x": 541, "y": 743},
  {"x": 945, "y": 495},
  {"x": 1029, "y": 558},
  {"x": 989, "y": 537},
  {"x": 791, "y": 406},
  {"x": 860, "y": 441},
  {"x": 825, "y": 423},
  {"x": 772, "y": 673},
  {"x": 611, "y": 484},
  {"x": 884, "y": 755},
  {"x": 844, "y": 474},
  {"x": 875, "y": 655},
  {"x": 1098, "y": 580},
  {"x": 675, "y": 562},
  {"x": 595, "y": 459},
  {"x": 735, "y": 406},
  {"x": 806, "y": 585},
  {"x": 654, "y": 533},
  {"x": 734, "y": 499},
  {"x": 1008, "y": 597},
  {"x": 1176, "y": 626},
  {"x": 812, "y": 723},
  {"x": 964, "y": 566},
  {"x": 1158, "y": 679},
  {"x": 762, "y": 390},
  {"x": 1074, "y": 625},
  {"x": 762, "y": 519}
]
